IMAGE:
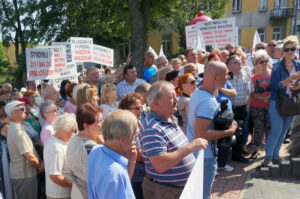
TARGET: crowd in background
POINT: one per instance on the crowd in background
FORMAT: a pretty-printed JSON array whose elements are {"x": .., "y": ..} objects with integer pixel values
[{"x": 114, "y": 135}]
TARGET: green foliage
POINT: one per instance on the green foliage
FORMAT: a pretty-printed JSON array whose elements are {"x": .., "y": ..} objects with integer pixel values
[{"x": 3, "y": 60}]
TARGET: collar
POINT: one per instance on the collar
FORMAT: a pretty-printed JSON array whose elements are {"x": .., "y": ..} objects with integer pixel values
[
  {"x": 185, "y": 95},
  {"x": 115, "y": 156},
  {"x": 157, "y": 117}
]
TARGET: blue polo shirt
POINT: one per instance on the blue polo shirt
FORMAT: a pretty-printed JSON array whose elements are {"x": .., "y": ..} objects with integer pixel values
[{"x": 107, "y": 175}]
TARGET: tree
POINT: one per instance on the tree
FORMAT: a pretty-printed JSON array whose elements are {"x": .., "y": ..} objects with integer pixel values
[
  {"x": 3, "y": 60},
  {"x": 18, "y": 25},
  {"x": 189, "y": 9}
]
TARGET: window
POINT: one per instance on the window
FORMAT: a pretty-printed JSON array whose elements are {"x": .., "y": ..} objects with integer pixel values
[
  {"x": 280, "y": 4},
  {"x": 236, "y": 5},
  {"x": 263, "y": 5},
  {"x": 124, "y": 50},
  {"x": 261, "y": 33},
  {"x": 277, "y": 33},
  {"x": 167, "y": 43}
]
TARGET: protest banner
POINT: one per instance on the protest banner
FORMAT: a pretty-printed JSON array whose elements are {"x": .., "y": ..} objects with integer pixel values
[
  {"x": 39, "y": 64},
  {"x": 190, "y": 35},
  {"x": 69, "y": 72},
  {"x": 103, "y": 55},
  {"x": 194, "y": 185},
  {"x": 82, "y": 49},
  {"x": 59, "y": 53},
  {"x": 68, "y": 49},
  {"x": 219, "y": 32}
]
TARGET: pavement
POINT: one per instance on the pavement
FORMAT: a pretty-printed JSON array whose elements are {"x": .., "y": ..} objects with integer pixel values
[{"x": 240, "y": 185}]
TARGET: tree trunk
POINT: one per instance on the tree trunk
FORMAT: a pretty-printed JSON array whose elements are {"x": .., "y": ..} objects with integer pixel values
[
  {"x": 20, "y": 56},
  {"x": 139, "y": 12}
]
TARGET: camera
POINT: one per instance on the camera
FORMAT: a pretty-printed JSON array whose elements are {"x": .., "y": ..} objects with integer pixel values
[{"x": 223, "y": 120}]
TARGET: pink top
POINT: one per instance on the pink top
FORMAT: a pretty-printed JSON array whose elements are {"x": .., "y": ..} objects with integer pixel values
[
  {"x": 69, "y": 107},
  {"x": 47, "y": 132}
]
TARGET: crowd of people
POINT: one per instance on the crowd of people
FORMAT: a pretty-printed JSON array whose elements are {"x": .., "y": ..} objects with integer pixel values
[{"x": 113, "y": 135}]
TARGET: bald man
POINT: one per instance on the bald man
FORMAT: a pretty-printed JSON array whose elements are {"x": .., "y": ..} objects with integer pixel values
[{"x": 203, "y": 108}]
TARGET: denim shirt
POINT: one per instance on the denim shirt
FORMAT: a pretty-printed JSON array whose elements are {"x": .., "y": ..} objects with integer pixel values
[{"x": 279, "y": 73}]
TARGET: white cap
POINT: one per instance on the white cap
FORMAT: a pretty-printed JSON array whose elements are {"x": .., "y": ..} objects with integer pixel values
[
  {"x": 23, "y": 89},
  {"x": 11, "y": 106}
]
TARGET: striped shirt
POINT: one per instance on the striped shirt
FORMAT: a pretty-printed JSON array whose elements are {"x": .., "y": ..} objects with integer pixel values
[
  {"x": 158, "y": 137},
  {"x": 243, "y": 86},
  {"x": 124, "y": 88}
]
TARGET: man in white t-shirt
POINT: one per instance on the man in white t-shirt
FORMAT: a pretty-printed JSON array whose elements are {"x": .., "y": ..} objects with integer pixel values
[{"x": 58, "y": 180}]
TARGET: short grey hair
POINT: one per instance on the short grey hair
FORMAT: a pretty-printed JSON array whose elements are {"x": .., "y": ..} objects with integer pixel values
[
  {"x": 161, "y": 59},
  {"x": 47, "y": 91},
  {"x": 91, "y": 68},
  {"x": 44, "y": 107},
  {"x": 156, "y": 91},
  {"x": 65, "y": 122},
  {"x": 119, "y": 123},
  {"x": 143, "y": 87}
]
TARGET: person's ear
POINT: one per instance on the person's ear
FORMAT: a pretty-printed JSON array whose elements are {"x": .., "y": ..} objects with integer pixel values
[{"x": 85, "y": 125}]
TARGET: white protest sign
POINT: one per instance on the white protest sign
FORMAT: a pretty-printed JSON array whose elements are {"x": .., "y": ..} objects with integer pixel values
[
  {"x": 190, "y": 35},
  {"x": 194, "y": 185},
  {"x": 59, "y": 53},
  {"x": 103, "y": 55},
  {"x": 68, "y": 49},
  {"x": 82, "y": 49},
  {"x": 219, "y": 32},
  {"x": 39, "y": 64},
  {"x": 69, "y": 72}
]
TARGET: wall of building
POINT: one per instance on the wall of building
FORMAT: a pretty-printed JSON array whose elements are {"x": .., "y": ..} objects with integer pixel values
[{"x": 250, "y": 19}]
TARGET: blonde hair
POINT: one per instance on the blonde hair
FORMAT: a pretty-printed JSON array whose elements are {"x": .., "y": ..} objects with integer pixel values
[
  {"x": 161, "y": 74},
  {"x": 104, "y": 90},
  {"x": 292, "y": 39},
  {"x": 260, "y": 54},
  {"x": 85, "y": 94}
]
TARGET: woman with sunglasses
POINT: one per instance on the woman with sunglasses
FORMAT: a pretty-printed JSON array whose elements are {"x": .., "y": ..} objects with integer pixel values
[
  {"x": 284, "y": 78},
  {"x": 133, "y": 102},
  {"x": 186, "y": 86},
  {"x": 260, "y": 99}
]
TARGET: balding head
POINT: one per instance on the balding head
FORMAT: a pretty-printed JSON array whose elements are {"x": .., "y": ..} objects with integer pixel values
[{"x": 215, "y": 74}]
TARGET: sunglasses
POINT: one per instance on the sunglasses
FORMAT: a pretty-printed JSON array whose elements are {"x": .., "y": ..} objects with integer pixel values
[
  {"x": 271, "y": 45},
  {"x": 20, "y": 109},
  {"x": 193, "y": 82},
  {"x": 263, "y": 61},
  {"x": 293, "y": 49},
  {"x": 136, "y": 108},
  {"x": 230, "y": 74},
  {"x": 260, "y": 48}
]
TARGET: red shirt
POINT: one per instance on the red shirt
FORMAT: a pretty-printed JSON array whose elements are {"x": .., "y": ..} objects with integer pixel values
[{"x": 261, "y": 87}]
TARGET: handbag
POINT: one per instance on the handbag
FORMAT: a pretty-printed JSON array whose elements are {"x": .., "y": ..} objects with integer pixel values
[{"x": 288, "y": 106}]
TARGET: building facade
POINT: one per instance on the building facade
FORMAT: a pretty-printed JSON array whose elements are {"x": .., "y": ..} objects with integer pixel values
[{"x": 273, "y": 19}]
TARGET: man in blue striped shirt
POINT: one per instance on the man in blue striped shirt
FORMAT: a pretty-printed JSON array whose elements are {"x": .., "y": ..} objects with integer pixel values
[{"x": 167, "y": 154}]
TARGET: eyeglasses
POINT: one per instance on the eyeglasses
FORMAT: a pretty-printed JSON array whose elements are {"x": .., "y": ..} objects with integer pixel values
[
  {"x": 136, "y": 108},
  {"x": 263, "y": 61},
  {"x": 271, "y": 45},
  {"x": 260, "y": 48},
  {"x": 229, "y": 48},
  {"x": 53, "y": 111},
  {"x": 293, "y": 49},
  {"x": 20, "y": 109},
  {"x": 193, "y": 82}
]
